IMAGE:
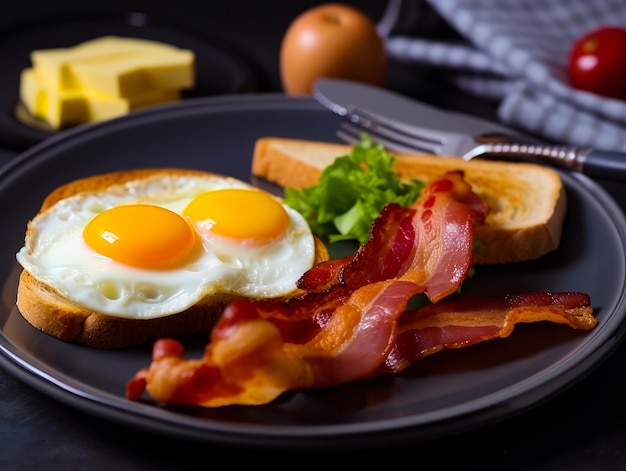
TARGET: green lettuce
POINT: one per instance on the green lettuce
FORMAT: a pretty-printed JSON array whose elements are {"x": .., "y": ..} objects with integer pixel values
[{"x": 352, "y": 192}]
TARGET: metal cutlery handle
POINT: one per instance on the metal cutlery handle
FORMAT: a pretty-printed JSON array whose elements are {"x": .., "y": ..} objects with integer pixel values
[
  {"x": 565, "y": 156},
  {"x": 592, "y": 162}
]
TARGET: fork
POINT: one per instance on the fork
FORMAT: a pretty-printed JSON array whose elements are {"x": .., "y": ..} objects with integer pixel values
[{"x": 409, "y": 138}]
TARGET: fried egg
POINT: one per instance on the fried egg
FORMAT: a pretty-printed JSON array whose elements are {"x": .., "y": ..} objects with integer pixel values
[{"x": 155, "y": 246}]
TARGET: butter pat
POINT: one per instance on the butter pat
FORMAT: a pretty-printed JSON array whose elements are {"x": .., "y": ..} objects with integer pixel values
[
  {"x": 115, "y": 65},
  {"x": 56, "y": 108},
  {"x": 103, "y": 78},
  {"x": 65, "y": 108},
  {"x": 136, "y": 73}
]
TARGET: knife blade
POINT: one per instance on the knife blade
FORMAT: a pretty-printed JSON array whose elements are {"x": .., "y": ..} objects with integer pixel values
[{"x": 340, "y": 95}]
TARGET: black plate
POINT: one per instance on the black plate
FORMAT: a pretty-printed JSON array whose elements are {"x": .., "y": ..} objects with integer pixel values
[
  {"x": 219, "y": 68},
  {"x": 447, "y": 393}
]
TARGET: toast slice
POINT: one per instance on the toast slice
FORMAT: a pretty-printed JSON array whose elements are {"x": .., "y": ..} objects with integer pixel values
[
  {"x": 528, "y": 201},
  {"x": 49, "y": 310}
]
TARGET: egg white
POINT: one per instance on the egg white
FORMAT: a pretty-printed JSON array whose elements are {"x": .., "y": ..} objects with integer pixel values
[{"x": 55, "y": 253}]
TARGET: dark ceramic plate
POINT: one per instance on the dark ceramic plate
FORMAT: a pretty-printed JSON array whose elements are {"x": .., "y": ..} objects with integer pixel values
[
  {"x": 219, "y": 68},
  {"x": 446, "y": 393}
]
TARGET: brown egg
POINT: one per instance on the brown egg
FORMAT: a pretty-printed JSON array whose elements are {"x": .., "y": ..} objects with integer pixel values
[{"x": 332, "y": 40}]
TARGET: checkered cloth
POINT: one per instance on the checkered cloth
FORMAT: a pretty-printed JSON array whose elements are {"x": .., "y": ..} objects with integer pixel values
[{"x": 516, "y": 52}]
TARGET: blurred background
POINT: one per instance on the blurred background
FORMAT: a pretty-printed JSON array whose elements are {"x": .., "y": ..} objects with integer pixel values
[{"x": 251, "y": 28}]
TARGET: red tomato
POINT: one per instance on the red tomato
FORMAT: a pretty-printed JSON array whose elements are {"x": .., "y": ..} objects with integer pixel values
[
  {"x": 331, "y": 40},
  {"x": 597, "y": 62}
]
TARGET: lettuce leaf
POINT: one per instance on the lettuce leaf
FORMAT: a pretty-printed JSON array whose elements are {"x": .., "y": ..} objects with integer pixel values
[{"x": 351, "y": 193}]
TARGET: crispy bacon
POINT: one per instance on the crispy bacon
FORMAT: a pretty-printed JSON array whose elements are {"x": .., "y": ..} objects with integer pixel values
[
  {"x": 433, "y": 238},
  {"x": 352, "y": 322},
  {"x": 474, "y": 319},
  {"x": 248, "y": 362}
]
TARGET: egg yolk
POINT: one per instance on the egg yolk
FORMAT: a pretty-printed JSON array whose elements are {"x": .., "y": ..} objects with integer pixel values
[
  {"x": 239, "y": 214},
  {"x": 141, "y": 235}
]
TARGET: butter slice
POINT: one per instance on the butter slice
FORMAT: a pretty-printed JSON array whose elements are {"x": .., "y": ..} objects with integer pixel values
[
  {"x": 127, "y": 76},
  {"x": 115, "y": 66},
  {"x": 56, "y": 108},
  {"x": 61, "y": 109}
]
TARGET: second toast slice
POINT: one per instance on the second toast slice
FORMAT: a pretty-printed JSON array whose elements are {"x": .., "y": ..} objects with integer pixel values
[{"x": 528, "y": 202}]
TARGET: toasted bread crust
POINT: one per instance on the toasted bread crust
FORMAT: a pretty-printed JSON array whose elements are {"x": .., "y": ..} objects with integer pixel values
[
  {"x": 60, "y": 317},
  {"x": 528, "y": 202},
  {"x": 51, "y": 312}
]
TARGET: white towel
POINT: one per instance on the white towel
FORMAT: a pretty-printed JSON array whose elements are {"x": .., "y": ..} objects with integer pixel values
[{"x": 516, "y": 52}]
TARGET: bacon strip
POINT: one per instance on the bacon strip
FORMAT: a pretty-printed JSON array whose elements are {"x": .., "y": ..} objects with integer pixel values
[
  {"x": 474, "y": 319},
  {"x": 433, "y": 239},
  {"x": 352, "y": 323},
  {"x": 248, "y": 362}
]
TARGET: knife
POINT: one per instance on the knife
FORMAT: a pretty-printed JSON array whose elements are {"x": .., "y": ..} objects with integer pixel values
[{"x": 344, "y": 96}]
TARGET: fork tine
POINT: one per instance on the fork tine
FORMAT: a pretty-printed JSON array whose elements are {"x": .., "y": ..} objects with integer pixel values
[
  {"x": 352, "y": 134},
  {"x": 404, "y": 136}
]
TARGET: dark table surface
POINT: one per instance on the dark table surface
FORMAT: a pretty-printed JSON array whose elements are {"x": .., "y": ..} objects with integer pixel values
[{"x": 582, "y": 428}]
